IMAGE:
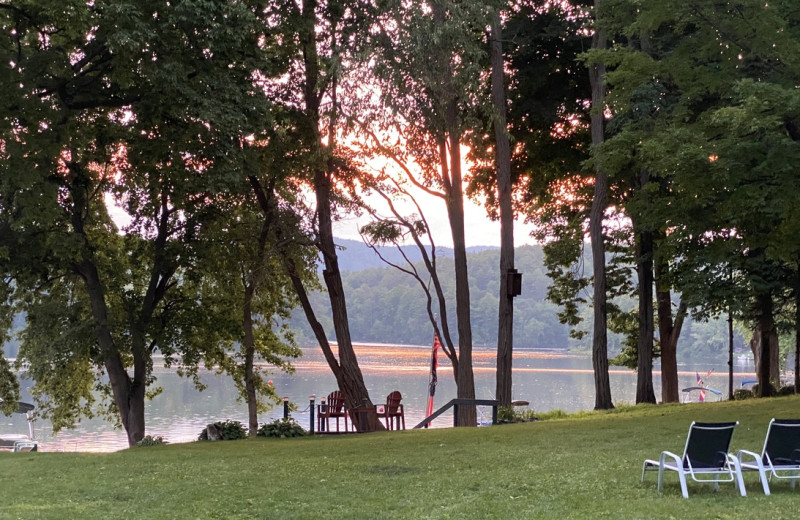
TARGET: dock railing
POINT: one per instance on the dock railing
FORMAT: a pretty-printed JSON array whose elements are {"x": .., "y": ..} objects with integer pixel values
[{"x": 454, "y": 404}]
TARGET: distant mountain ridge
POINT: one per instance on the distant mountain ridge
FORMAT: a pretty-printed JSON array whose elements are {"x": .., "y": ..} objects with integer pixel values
[{"x": 354, "y": 255}]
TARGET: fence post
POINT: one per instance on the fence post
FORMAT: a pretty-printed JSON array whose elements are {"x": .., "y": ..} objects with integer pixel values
[
  {"x": 285, "y": 407},
  {"x": 494, "y": 414},
  {"x": 323, "y": 408},
  {"x": 312, "y": 399},
  {"x": 455, "y": 415}
]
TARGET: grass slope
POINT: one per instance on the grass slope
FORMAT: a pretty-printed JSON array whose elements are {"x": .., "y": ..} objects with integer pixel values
[{"x": 584, "y": 466}]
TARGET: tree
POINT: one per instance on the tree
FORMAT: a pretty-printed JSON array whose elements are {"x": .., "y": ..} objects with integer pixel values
[
  {"x": 321, "y": 41},
  {"x": 725, "y": 78},
  {"x": 597, "y": 214},
  {"x": 132, "y": 100},
  {"x": 505, "y": 326},
  {"x": 247, "y": 291},
  {"x": 429, "y": 61}
]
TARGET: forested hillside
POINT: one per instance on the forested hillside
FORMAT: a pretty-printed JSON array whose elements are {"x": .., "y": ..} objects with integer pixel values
[{"x": 388, "y": 306}]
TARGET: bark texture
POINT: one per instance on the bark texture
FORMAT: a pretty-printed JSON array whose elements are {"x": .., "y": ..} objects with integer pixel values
[
  {"x": 644, "y": 363},
  {"x": 505, "y": 319},
  {"x": 602, "y": 384},
  {"x": 765, "y": 346}
]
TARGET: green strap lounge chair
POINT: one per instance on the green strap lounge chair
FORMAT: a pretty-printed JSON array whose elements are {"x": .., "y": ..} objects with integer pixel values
[
  {"x": 705, "y": 458},
  {"x": 780, "y": 457}
]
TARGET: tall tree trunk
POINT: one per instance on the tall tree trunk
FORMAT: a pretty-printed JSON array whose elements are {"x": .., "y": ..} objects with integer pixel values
[
  {"x": 249, "y": 347},
  {"x": 353, "y": 382},
  {"x": 505, "y": 320},
  {"x": 128, "y": 393},
  {"x": 122, "y": 388},
  {"x": 345, "y": 379},
  {"x": 251, "y": 280},
  {"x": 763, "y": 343},
  {"x": 347, "y": 371},
  {"x": 455, "y": 211},
  {"x": 644, "y": 363},
  {"x": 669, "y": 331},
  {"x": 602, "y": 383},
  {"x": 450, "y": 163}
]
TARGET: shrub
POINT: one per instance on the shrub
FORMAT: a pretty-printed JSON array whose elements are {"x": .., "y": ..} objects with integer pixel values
[
  {"x": 511, "y": 414},
  {"x": 281, "y": 428},
  {"x": 506, "y": 414},
  {"x": 774, "y": 390},
  {"x": 151, "y": 441},
  {"x": 786, "y": 390},
  {"x": 223, "y": 431}
]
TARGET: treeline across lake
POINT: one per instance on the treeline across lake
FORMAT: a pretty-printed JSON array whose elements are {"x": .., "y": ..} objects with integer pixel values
[{"x": 386, "y": 305}]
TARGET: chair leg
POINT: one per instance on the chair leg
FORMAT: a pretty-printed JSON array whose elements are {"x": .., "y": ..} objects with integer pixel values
[
  {"x": 684, "y": 489},
  {"x": 762, "y": 476},
  {"x": 740, "y": 483},
  {"x": 737, "y": 468}
]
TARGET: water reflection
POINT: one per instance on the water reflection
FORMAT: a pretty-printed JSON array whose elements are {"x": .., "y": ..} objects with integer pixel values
[{"x": 547, "y": 380}]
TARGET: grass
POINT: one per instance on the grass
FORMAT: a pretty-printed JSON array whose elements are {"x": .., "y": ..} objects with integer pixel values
[{"x": 583, "y": 466}]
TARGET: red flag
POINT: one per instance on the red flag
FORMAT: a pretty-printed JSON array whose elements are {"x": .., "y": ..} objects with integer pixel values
[
  {"x": 702, "y": 384},
  {"x": 433, "y": 378},
  {"x": 702, "y": 397}
]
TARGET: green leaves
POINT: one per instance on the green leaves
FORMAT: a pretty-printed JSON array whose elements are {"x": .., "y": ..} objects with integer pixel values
[{"x": 150, "y": 105}]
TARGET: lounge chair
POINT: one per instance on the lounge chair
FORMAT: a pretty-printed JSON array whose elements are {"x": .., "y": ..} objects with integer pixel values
[
  {"x": 705, "y": 458},
  {"x": 21, "y": 446},
  {"x": 780, "y": 457},
  {"x": 393, "y": 411},
  {"x": 333, "y": 409}
]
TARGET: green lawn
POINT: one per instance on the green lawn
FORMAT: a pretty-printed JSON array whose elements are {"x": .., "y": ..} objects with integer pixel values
[{"x": 586, "y": 466}]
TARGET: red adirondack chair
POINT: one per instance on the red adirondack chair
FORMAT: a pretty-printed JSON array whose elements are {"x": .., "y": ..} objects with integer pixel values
[
  {"x": 334, "y": 408},
  {"x": 393, "y": 411}
]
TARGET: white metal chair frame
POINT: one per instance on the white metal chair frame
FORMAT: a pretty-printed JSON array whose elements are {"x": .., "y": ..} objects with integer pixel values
[
  {"x": 763, "y": 463},
  {"x": 705, "y": 475},
  {"x": 20, "y": 446}
]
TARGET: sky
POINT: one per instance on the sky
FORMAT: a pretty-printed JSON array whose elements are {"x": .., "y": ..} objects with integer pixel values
[{"x": 480, "y": 230}]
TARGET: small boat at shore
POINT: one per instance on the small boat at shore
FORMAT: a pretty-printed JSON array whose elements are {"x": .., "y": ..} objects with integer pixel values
[{"x": 14, "y": 441}]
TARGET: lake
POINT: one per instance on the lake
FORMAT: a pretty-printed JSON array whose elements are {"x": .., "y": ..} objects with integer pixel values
[{"x": 548, "y": 380}]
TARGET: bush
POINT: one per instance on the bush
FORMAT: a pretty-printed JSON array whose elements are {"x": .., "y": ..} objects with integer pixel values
[
  {"x": 506, "y": 414},
  {"x": 786, "y": 390},
  {"x": 772, "y": 387},
  {"x": 742, "y": 394},
  {"x": 151, "y": 441},
  {"x": 511, "y": 414},
  {"x": 223, "y": 431},
  {"x": 281, "y": 428}
]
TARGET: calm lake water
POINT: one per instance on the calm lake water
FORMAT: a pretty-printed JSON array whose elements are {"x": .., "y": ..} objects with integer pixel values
[{"x": 548, "y": 380}]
